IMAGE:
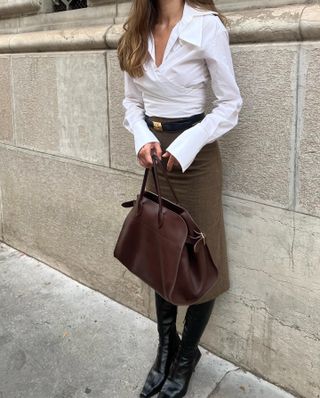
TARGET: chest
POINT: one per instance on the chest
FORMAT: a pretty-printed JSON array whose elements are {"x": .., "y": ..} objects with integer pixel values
[
  {"x": 173, "y": 61},
  {"x": 160, "y": 37}
]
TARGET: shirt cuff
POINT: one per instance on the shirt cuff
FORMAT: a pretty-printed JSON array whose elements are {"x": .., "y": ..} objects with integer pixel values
[
  {"x": 187, "y": 145},
  {"x": 142, "y": 135}
]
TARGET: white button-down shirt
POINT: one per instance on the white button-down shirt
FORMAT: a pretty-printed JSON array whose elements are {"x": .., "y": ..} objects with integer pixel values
[{"x": 197, "y": 50}]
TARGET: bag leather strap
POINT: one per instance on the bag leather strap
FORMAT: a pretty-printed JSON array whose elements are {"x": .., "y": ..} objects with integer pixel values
[
  {"x": 156, "y": 161},
  {"x": 157, "y": 185}
]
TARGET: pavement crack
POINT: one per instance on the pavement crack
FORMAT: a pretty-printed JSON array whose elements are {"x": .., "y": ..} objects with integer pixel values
[{"x": 217, "y": 386}]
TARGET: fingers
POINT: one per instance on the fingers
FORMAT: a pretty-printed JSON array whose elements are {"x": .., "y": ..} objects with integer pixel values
[
  {"x": 158, "y": 149},
  {"x": 144, "y": 155},
  {"x": 148, "y": 158},
  {"x": 171, "y": 161},
  {"x": 145, "y": 158},
  {"x": 141, "y": 162}
]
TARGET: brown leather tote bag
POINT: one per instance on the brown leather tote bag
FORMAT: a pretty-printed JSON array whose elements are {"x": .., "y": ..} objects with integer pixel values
[{"x": 162, "y": 244}]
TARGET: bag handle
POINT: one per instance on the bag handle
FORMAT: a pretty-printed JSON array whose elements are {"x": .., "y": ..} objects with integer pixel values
[
  {"x": 157, "y": 185},
  {"x": 156, "y": 160}
]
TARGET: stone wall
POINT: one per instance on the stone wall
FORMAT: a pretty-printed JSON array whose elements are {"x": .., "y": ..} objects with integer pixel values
[{"x": 66, "y": 163}]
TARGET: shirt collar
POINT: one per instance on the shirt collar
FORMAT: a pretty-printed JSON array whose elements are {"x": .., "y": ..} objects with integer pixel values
[
  {"x": 192, "y": 32},
  {"x": 189, "y": 32}
]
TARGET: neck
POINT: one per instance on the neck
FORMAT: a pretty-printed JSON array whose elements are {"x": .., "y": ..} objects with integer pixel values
[{"x": 169, "y": 11}]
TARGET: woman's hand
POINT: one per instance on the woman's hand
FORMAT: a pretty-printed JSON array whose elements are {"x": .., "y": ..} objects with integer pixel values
[
  {"x": 144, "y": 155},
  {"x": 172, "y": 161}
]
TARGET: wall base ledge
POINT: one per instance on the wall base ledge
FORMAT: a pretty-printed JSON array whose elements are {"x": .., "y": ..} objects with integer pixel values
[{"x": 290, "y": 23}]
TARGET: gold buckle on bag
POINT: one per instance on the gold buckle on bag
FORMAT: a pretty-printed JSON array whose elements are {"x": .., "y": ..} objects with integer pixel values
[
  {"x": 157, "y": 125},
  {"x": 203, "y": 236}
]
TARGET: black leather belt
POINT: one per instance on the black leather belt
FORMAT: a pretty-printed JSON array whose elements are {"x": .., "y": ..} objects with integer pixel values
[{"x": 179, "y": 124}]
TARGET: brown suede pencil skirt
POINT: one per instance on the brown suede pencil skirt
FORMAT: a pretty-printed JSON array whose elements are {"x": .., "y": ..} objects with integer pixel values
[{"x": 199, "y": 190}]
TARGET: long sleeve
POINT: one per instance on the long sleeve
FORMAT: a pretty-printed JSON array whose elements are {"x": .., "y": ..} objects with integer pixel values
[
  {"x": 228, "y": 102},
  {"x": 134, "y": 114}
]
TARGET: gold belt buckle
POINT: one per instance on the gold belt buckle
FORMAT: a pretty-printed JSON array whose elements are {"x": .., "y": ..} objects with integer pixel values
[{"x": 157, "y": 125}]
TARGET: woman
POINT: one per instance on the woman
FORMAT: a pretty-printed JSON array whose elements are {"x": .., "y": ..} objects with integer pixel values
[{"x": 169, "y": 51}]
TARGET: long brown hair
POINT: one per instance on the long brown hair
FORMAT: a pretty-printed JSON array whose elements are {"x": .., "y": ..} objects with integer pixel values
[{"x": 133, "y": 44}]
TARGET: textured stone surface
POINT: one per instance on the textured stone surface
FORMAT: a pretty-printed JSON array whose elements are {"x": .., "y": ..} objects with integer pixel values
[
  {"x": 243, "y": 384},
  {"x": 62, "y": 103},
  {"x": 69, "y": 215},
  {"x": 310, "y": 22},
  {"x": 257, "y": 153},
  {"x": 60, "y": 339},
  {"x": 1, "y": 215},
  {"x": 18, "y": 7},
  {"x": 6, "y": 117},
  {"x": 308, "y": 177},
  {"x": 294, "y": 22},
  {"x": 86, "y": 28},
  {"x": 266, "y": 25},
  {"x": 269, "y": 319},
  {"x": 46, "y": 22},
  {"x": 93, "y": 3},
  {"x": 245, "y": 4},
  {"x": 113, "y": 34},
  {"x": 123, "y": 8},
  {"x": 75, "y": 38},
  {"x": 122, "y": 151}
]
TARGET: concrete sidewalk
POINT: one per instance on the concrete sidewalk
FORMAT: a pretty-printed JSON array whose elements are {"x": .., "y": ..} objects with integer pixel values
[{"x": 60, "y": 339}]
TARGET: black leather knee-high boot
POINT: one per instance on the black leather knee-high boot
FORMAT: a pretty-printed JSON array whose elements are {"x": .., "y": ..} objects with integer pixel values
[
  {"x": 188, "y": 355},
  {"x": 169, "y": 341}
]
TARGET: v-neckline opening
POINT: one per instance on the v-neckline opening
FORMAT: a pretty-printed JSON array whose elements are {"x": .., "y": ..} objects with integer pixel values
[{"x": 166, "y": 51}]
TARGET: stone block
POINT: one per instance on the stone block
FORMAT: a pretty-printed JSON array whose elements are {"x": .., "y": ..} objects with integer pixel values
[
  {"x": 308, "y": 156},
  {"x": 94, "y": 3},
  {"x": 123, "y": 8},
  {"x": 6, "y": 112},
  {"x": 7, "y": 26},
  {"x": 62, "y": 103},
  {"x": 122, "y": 151},
  {"x": 57, "y": 38},
  {"x": 1, "y": 216},
  {"x": 230, "y": 5},
  {"x": 258, "y": 152},
  {"x": 268, "y": 320},
  {"x": 266, "y": 24},
  {"x": 310, "y": 22},
  {"x": 19, "y": 7},
  {"x": 68, "y": 214}
]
